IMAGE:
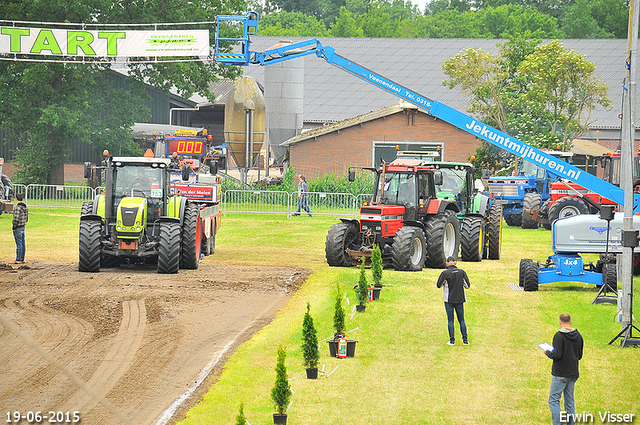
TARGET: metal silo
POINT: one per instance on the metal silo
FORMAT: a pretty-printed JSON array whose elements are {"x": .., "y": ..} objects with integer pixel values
[
  {"x": 283, "y": 93},
  {"x": 244, "y": 124}
]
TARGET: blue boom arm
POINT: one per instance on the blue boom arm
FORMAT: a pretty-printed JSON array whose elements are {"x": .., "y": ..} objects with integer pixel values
[{"x": 432, "y": 107}]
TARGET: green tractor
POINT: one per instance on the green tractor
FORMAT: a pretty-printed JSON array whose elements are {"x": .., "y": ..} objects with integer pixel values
[
  {"x": 480, "y": 218},
  {"x": 139, "y": 220}
]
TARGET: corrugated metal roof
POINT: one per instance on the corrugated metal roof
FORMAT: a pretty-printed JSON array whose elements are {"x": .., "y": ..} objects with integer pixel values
[{"x": 332, "y": 95}]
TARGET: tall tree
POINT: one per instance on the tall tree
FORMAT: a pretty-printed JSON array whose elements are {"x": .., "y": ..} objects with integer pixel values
[
  {"x": 579, "y": 22},
  {"x": 53, "y": 103}
]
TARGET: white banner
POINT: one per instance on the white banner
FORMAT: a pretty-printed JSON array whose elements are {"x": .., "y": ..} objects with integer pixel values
[{"x": 103, "y": 43}]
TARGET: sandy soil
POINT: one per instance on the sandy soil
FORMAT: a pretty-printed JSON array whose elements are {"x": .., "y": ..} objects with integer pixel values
[{"x": 126, "y": 343}]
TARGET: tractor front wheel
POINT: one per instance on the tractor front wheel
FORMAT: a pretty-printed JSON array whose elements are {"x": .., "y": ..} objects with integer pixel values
[
  {"x": 532, "y": 201},
  {"x": 495, "y": 231},
  {"x": 340, "y": 237},
  {"x": 89, "y": 246},
  {"x": 471, "y": 238},
  {"x": 191, "y": 238},
  {"x": 409, "y": 249},
  {"x": 169, "y": 248},
  {"x": 566, "y": 207}
]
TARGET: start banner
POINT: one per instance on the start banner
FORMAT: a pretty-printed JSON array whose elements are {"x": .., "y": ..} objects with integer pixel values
[{"x": 103, "y": 43}]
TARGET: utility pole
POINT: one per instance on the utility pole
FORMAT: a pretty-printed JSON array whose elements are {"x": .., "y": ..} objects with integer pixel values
[{"x": 630, "y": 236}]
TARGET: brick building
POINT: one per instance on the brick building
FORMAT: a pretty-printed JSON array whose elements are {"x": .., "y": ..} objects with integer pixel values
[{"x": 361, "y": 141}]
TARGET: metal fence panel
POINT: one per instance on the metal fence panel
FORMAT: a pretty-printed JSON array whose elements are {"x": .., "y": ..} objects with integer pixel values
[
  {"x": 256, "y": 201},
  {"x": 321, "y": 203},
  {"x": 42, "y": 195},
  {"x": 362, "y": 198}
]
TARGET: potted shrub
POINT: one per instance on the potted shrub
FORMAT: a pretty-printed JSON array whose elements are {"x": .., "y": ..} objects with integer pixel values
[
  {"x": 362, "y": 290},
  {"x": 240, "y": 419},
  {"x": 376, "y": 270},
  {"x": 281, "y": 393},
  {"x": 310, "y": 352},
  {"x": 338, "y": 323}
]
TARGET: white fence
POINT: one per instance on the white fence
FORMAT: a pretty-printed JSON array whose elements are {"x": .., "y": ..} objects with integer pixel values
[{"x": 233, "y": 201}]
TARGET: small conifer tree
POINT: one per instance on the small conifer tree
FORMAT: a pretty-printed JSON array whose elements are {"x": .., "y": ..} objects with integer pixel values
[
  {"x": 376, "y": 264},
  {"x": 338, "y": 313},
  {"x": 361, "y": 290},
  {"x": 240, "y": 419},
  {"x": 309, "y": 341},
  {"x": 281, "y": 393}
]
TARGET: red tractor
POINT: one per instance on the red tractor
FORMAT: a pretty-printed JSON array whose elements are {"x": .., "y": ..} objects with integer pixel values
[
  {"x": 405, "y": 218},
  {"x": 567, "y": 198}
]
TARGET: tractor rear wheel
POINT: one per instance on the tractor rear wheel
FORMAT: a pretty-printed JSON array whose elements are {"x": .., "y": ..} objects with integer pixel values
[
  {"x": 89, "y": 246},
  {"x": 409, "y": 249},
  {"x": 530, "y": 276},
  {"x": 610, "y": 276},
  {"x": 191, "y": 238},
  {"x": 514, "y": 220},
  {"x": 495, "y": 232},
  {"x": 443, "y": 236},
  {"x": 566, "y": 207},
  {"x": 169, "y": 248},
  {"x": 471, "y": 238},
  {"x": 532, "y": 201},
  {"x": 340, "y": 237}
]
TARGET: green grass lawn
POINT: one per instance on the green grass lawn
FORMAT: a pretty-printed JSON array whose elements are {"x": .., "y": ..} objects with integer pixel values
[{"x": 403, "y": 372}]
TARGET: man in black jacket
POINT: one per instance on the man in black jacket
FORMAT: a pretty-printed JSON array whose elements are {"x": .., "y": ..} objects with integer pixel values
[
  {"x": 566, "y": 354},
  {"x": 455, "y": 281}
]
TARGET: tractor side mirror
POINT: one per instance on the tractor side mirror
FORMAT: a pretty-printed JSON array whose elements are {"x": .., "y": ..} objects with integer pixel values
[
  {"x": 352, "y": 175},
  {"x": 437, "y": 178},
  {"x": 87, "y": 170},
  {"x": 486, "y": 173},
  {"x": 478, "y": 185},
  {"x": 185, "y": 172}
]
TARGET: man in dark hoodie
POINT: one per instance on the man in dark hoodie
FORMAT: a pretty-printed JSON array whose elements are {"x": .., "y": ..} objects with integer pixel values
[
  {"x": 566, "y": 354},
  {"x": 455, "y": 281}
]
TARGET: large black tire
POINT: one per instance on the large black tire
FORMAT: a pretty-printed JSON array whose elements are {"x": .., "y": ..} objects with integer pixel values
[
  {"x": 532, "y": 201},
  {"x": 530, "y": 276},
  {"x": 472, "y": 238},
  {"x": 521, "y": 271},
  {"x": 610, "y": 276},
  {"x": 443, "y": 239},
  {"x": 169, "y": 248},
  {"x": 495, "y": 231},
  {"x": 566, "y": 207},
  {"x": 340, "y": 237},
  {"x": 514, "y": 220},
  {"x": 409, "y": 249},
  {"x": 89, "y": 246},
  {"x": 191, "y": 238}
]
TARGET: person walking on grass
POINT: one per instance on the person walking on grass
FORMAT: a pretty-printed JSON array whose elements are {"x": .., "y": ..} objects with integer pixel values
[
  {"x": 20, "y": 218},
  {"x": 454, "y": 281},
  {"x": 566, "y": 355},
  {"x": 303, "y": 196}
]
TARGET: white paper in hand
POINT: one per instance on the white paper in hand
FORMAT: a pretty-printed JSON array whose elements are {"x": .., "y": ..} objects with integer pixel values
[{"x": 546, "y": 346}]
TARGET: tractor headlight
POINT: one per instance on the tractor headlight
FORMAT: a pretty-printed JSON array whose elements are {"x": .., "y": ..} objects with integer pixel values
[
  {"x": 138, "y": 224},
  {"x": 138, "y": 228},
  {"x": 119, "y": 222}
]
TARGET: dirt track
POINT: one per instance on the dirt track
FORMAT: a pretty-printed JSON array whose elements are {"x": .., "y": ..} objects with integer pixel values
[{"x": 137, "y": 339}]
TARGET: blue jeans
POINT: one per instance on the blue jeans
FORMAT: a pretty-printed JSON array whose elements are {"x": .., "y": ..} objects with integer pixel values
[
  {"x": 559, "y": 386},
  {"x": 18, "y": 235},
  {"x": 302, "y": 204},
  {"x": 459, "y": 309}
]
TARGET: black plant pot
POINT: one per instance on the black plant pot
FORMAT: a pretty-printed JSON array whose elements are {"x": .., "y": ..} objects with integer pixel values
[
  {"x": 280, "y": 419},
  {"x": 351, "y": 348},
  {"x": 376, "y": 292},
  {"x": 312, "y": 373},
  {"x": 360, "y": 308},
  {"x": 333, "y": 347}
]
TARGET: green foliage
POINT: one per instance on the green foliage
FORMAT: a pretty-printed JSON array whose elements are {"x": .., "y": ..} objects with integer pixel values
[
  {"x": 346, "y": 25},
  {"x": 281, "y": 393},
  {"x": 376, "y": 264},
  {"x": 310, "y": 353},
  {"x": 240, "y": 419},
  {"x": 362, "y": 289},
  {"x": 580, "y": 22},
  {"x": 338, "y": 313}
]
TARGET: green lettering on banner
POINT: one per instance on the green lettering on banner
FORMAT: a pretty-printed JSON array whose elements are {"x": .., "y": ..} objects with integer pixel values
[
  {"x": 15, "y": 34},
  {"x": 112, "y": 40},
  {"x": 81, "y": 39},
  {"x": 46, "y": 41}
]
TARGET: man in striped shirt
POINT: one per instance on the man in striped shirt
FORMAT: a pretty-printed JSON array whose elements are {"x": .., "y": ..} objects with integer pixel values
[{"x": 20, "y": 218}]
